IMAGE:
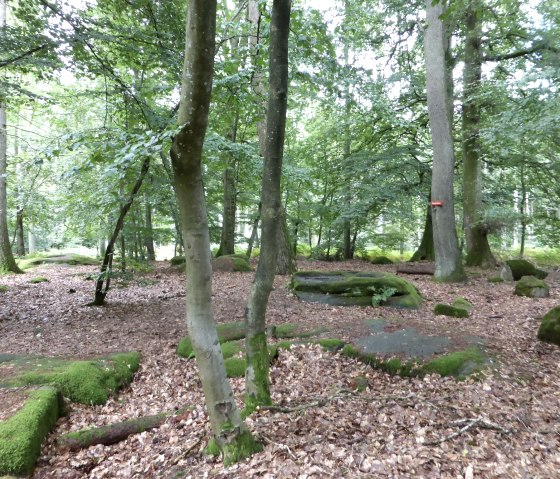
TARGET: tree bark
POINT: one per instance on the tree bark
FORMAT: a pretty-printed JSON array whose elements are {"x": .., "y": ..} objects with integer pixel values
[
  {"x": 227, "y": 242},
  {"x": 230, "y": 432},
  {"x": 149, "y": 235},
  {"x": 476, "y": 234},
  {"x": 425, "y": 251},
  {"x": 286, "y": 262},
  {"x": 449, "y": 267},
  {"x": 256, "y": 378},
  {"x": 7, "y": 261}
]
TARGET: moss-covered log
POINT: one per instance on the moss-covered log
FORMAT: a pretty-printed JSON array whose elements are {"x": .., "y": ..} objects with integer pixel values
[
  {"x": 112, "y": 433},
  {"x": 416, "y": 268}
]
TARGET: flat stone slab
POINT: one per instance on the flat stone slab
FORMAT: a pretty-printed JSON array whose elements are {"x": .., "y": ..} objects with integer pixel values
[{"x": 349, "y": 288}]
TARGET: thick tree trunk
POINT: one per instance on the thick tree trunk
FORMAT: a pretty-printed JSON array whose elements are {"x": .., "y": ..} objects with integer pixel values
[
  {"x": 256, "y": 378},
  {"x": 7, "y": 261},
  {"x": 425, "y": 251},
  {"x": 449, "y": 267},
  {"x": 149, "y": 235},
  {"x": 230, "y": 433},
  {"x": 286, "y": 262},
  {"x": 476, "y": 234},
  {"x": 20, "y": 238}
]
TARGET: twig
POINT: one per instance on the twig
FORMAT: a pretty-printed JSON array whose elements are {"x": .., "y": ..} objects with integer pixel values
[
  {"x": 469, "y": 424},
  {"x": 281, "y": 446}
]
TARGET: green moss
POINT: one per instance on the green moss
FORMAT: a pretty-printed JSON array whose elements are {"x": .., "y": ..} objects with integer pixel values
[
  {"x": 237, "y": 263},
  {"x": 458, "y": 364},
  {"x": 521, "y": 267},
  {"x": 495, "y": 279},
  {"x": 447, "y": 310},
  {"x": 22, "y": 434},
  {"x": 260, "y": 360},
  {"x": 3, "y": 288},
  {"x": 238, "y": 448},
  {"x": 331, "y": 344},
  {"x": 285, "y": 330},
  {"x": 462, "y": 303},
  {"x": 549, "y": 330},
  {"x": 185, "y": 349},
  {"x": 531, "y": 287},
  {"x": 71, "y": 259},
  {"x": 230, "y": 348},
  {"x": 235, "y": 367},
  {"x": 38, "y": 279},
  {"x": 284, "y": 345},
  {"x": 86, "y": 382}
]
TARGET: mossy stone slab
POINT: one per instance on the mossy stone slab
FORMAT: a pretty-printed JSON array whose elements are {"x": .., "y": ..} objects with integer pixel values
[
  {"x": 532, "y": 287},
  {"x": 348, "y": 288},
  {"x": 231, "y": 263},
  {"x": 549, "y": 330},
  {"x": 21, "y": 435},
  {"x": 381, "y": 260}
]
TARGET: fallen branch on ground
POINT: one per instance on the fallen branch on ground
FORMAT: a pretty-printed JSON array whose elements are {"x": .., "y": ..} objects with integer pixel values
[
  {"x": 469, "y": 424},
  {"x": 417, "y": 268}
]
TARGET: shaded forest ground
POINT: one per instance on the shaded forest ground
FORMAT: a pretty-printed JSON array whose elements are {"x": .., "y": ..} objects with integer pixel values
[{"x": 506, "y": 425}]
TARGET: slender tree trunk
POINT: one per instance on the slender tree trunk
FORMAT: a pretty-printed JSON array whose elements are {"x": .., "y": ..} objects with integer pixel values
[
  {"x": 523, "y": 213},
  {"x": 254, "y": 233},
  {"x": 20, "y": 243},
  {"x": 256, "y": 378},
  {"x": 149, "y": 235},
  {"x": 449, "y": 267},
  {"x": 230, "y": 433},
  {"x": 227, "y": 243},
  {"x": 104, "y": 280},
  {"x": 476, "y": 233}
]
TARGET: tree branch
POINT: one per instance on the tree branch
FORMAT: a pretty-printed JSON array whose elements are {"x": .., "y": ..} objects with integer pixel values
[{"x": 5, "y": 63}]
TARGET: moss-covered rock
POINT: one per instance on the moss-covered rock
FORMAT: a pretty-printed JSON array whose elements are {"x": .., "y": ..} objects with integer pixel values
[
  {"x": 532, "y": 287},
  {"x": 381, "y": 260},
  {"x": 462, "y": 303},
  {"x": 177, "y": 260},
  {"x": 71, "y": 259},
  {"x": 549, "y": 330},
  {"x": 38, "y": 279},
  {"x": 226, "y": 332},
  {"x": 458, "y": 364},
  {"x": 448, "y": 310},
  {"x": 521, "y": 267},
  {"x": 22, "y": 434},
  {"x": 355, "y": 289},
  {"x": 231, "y": 263},
  {"x": 85, "y": 382}
]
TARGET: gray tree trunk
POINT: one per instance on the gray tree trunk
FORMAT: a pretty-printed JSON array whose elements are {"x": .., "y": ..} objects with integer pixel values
[
  {"x": 149, "y": 235},
  {"x": 7, "y": 261},
  {"x": 449, "y": 267},
  {"x": 476, "y": 233},
  {"x": 256, "y": 378},
  {"x": 286, "y": 262},
  {"x": 230, "y": 433}
]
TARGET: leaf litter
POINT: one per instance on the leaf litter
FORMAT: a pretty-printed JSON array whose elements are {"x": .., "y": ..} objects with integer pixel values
[{"x": 504, "y": 425}]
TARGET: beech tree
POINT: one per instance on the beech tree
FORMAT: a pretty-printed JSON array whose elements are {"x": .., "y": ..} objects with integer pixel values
[
  {"x": 256, "y": 378},
  {"x": 449, "y": 267},
  {"x": 230, "y": 433}
]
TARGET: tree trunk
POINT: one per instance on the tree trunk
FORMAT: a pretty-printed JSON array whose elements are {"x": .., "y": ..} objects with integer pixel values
[
  {"x": 254, "y": 233},
  {"x": 286, "y": 262},
  {"x": 425, "y": 251},
  {"x": 476, "y": 234},
  {"x": 7, "y": 261},
  {"x": 227, "y": 242},
  {"x": 149, "y": 235},
  {"x": 449, "y": 267},
  {"x": 523, "y": 213},
  {"x": 20, "y": 238},
  {"x": 230, "y": 433},
  {"x": 104, "y": 280},
  {"x": 256, "y": 378}
]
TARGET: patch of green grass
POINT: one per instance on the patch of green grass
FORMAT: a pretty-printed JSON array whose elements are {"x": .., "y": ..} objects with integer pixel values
[
  {"x": 331, "y": 344},
  {"x": 231, "y": 348},
  {"x": 21, "y": 435},
  {"x": 495, "y": 279},
  {"x": 3, "y": 288},
  {"x": 38, "y": 279}
]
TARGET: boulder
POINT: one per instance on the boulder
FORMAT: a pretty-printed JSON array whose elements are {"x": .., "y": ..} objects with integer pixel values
[
  {"x": 506, "y": 274},
  {"x": 349, "y": 288},
  {"x": 549, "y": 330},
  {"x": 521, "y": 267},
  {"x": 448, "y": 310},
  {"x": 532, "y": 287},
  {"x": 231, "y": 263}
]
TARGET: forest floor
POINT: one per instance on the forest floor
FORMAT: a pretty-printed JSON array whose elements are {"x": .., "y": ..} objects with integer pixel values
[{"x": 506, "y": 424}]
